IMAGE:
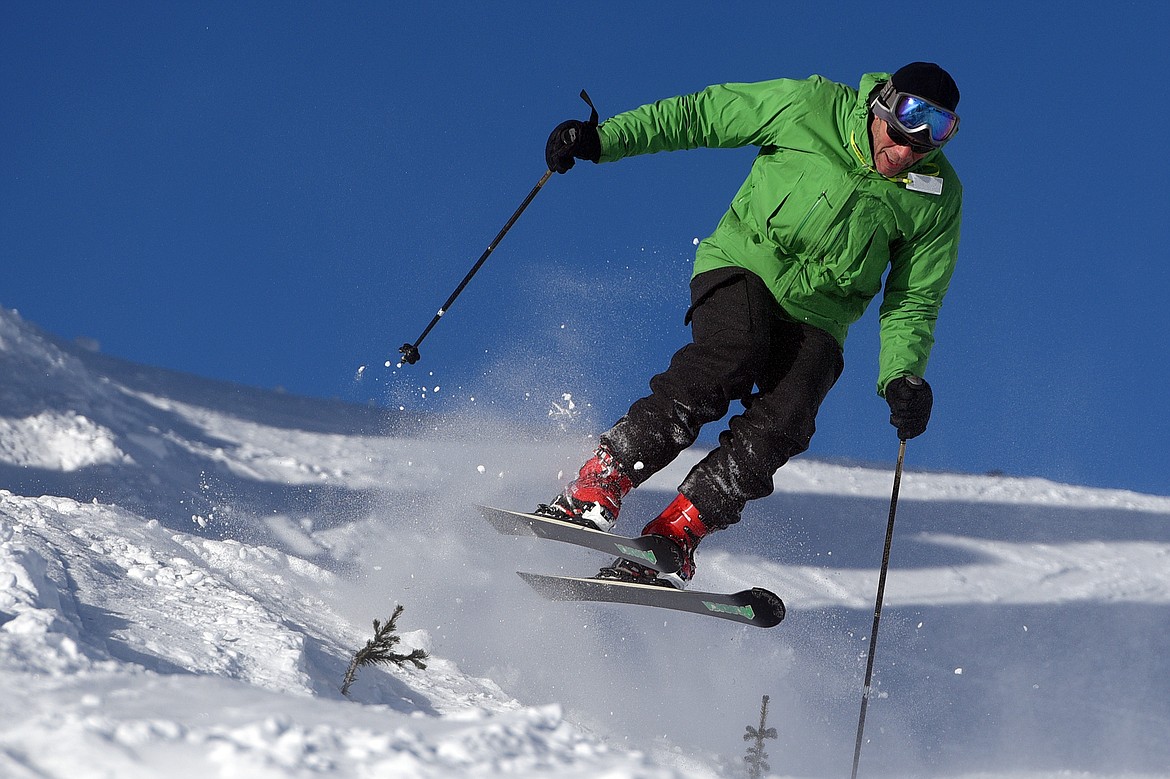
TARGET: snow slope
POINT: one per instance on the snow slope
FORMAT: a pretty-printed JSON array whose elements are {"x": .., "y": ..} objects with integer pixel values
[{"x": 187, "y": 566}]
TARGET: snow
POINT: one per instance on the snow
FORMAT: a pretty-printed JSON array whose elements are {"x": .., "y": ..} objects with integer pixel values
[
  {"x": 65, "y": 442},
  {"x": 187, "y": 567}
]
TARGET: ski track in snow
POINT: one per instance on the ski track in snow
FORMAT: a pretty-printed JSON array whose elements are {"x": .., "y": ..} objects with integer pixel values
[{"x": 188, "y": 609}]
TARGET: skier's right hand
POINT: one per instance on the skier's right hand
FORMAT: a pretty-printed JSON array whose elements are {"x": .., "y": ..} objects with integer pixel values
[{"x": 569, "y": 140}]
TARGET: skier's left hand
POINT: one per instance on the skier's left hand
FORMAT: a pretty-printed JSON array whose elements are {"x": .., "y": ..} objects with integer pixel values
[{"x": 910, "y": 400}]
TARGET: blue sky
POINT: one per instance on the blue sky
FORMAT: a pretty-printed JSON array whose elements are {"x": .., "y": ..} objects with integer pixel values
[{"x": 279, "y": 194}]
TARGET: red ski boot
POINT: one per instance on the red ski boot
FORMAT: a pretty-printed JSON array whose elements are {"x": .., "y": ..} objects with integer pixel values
[
  {"x": 594, "y": 498},
  {"x": 680, "y": 522}
]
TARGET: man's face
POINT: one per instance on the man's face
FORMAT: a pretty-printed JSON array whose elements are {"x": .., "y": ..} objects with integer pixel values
[{"x": 889, "y": 158}]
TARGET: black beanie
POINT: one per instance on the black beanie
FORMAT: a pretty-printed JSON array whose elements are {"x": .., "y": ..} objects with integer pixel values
[{"x": 925, "y": 79}]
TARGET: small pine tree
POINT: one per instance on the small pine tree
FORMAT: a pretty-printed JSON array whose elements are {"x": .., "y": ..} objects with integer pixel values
[
  {"x": 380, "y": 649},
  {"x": 757, "y": 758}
]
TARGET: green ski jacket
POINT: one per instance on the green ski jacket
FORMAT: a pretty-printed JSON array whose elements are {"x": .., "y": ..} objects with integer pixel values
[{"x": 814, "y": 219}]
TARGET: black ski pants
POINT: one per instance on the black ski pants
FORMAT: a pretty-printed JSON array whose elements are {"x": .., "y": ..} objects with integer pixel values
[{"x": 744, "y": 347}]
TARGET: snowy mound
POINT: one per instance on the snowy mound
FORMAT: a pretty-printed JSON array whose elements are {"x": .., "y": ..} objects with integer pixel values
[
  {"x": 187, "y": 567},
  {"x": 132, "y": 648}
]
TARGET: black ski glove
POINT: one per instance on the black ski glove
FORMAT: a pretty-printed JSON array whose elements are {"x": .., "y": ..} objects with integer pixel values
[
  {"x": 571, "y": 139},
  {"x": 910, "y": 400}
]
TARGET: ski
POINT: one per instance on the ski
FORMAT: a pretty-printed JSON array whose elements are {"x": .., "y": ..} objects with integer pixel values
[
  {"x": 655, "y": 552},
  {"x": 756, "y": 606}
]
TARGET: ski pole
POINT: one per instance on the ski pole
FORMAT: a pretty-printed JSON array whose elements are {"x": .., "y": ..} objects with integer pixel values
[
  {"x": 410, "y": 350},
  {"x": 877, "y": 609}
]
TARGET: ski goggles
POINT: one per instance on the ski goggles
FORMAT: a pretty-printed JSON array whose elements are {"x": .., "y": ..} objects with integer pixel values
[{"x": 923, "y": 125}]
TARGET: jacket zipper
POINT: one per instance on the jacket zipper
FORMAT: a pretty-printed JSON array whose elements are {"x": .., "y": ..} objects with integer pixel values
[{"x": 816, "y": 204}]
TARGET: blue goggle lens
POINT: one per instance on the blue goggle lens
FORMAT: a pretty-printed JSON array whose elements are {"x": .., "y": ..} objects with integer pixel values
[{"x": 915, "y": 114}]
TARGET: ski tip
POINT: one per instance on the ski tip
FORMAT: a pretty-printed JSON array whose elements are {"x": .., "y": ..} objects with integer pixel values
[
  {"x": 776, "y": 609},
  {"x": 667, "y": 555}
]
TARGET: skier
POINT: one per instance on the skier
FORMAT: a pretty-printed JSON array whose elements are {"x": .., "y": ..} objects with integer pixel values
[{"x": 847, "y": 183}]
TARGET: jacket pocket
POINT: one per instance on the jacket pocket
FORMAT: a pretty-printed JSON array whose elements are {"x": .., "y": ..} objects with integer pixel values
[
  {"x": 804, "y": 196},
  {"x": 859, "y": 252}
]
